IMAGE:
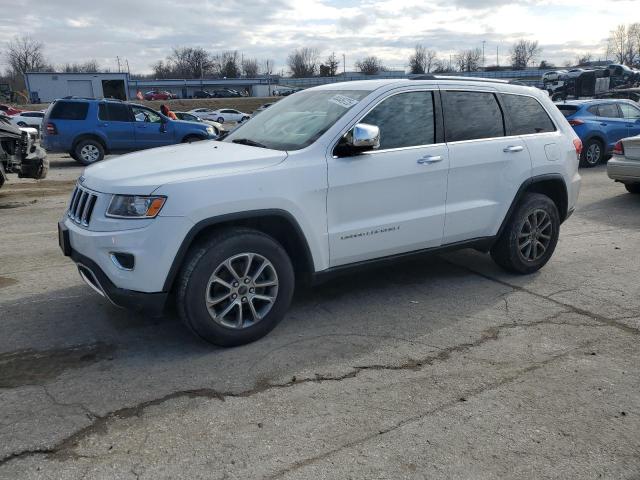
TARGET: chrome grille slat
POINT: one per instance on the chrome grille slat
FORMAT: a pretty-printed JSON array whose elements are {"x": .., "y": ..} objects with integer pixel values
[{"x": 81, "y": 206}]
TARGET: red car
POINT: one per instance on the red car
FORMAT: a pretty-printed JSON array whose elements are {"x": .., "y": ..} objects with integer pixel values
[
  {"x": 9, "y": 110},
  {"x": 156, "y": 95}
]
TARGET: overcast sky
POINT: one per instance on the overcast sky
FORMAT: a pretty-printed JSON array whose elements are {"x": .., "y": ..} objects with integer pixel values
[{"x": 143, "y": 31}]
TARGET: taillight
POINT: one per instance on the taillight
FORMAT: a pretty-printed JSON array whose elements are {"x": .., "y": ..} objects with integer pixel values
[
  {"x": 51, "y": 129},
  {"x": 618, "y": 149},
  {"x": 577, "y": 143},
  {"x": 575, "y": 123}
]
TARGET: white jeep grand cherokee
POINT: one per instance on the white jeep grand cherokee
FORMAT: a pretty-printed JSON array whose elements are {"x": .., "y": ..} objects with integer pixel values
[{"x": 331, "y": 177}]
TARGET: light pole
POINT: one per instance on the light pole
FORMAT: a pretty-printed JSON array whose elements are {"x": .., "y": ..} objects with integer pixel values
[
  {"x": 483, "y": 64},
  {"x": 344, "y": 64}
]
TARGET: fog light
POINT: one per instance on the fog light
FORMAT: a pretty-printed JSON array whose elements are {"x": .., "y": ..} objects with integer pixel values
[{"x": 124, "y": 261}]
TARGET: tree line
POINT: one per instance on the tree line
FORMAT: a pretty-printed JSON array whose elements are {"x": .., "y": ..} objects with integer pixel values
[{"x": 25, "y": 54}]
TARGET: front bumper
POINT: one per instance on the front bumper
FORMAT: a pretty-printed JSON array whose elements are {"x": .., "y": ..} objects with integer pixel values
[
  {"x": 623, "y": 170},
  {"x": 94, "y": 276}
]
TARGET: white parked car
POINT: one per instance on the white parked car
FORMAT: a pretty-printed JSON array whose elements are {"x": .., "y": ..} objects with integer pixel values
[
  {"x": 553, "y": 75},
  {"x": 221, "y": 116},
  {"x": 28, "y": 119},
  {"x": 336, "y": 176},
  {"x": 624, "y": 165}
]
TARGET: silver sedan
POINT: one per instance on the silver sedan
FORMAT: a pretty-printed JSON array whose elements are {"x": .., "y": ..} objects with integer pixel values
[{"x": 624, "y": 165}]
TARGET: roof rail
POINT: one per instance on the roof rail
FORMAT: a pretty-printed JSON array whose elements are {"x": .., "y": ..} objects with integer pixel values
[{"x": 426, "y": 76}]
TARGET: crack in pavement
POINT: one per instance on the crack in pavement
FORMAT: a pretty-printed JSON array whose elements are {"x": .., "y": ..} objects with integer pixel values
[
  {"x": 64, "y": 448},
  {"x": 580, "y": 311},
  {"x": 416, "y": 418}
]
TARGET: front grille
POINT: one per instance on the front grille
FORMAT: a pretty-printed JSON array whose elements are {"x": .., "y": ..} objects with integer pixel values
[{"x": 81, "y": 206}]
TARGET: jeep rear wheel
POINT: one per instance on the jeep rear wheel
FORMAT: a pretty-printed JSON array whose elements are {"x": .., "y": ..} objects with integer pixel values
[
  {"x": 88, "y": 151},
  {"x": 530, "y": 236},
  {"x": 235, "y": 287}
]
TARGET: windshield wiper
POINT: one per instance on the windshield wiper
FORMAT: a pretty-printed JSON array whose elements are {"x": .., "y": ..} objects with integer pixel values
[{"x": 247, "y": 141}]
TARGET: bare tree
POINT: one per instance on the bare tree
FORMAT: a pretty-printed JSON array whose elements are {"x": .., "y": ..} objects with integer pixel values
[
  {"x": 624, "y": 44},
  {"x": 227, "y": 64},
  {"x": 544, "y": 65},
  {"x": 422, "y": 60},
  {"x": 266, "y": 67},
  {"x": 90, "y": 66},
  {"x": 370, "y": 65},
  {"x": 584, "y": 59},
  {"x": 190, "y": 62},
  {"x": 468, "y": 60},
  {"x": 303, "y": 62},
  {"x": 330, "y": 66},
  {"x": 250, "y": 67},
  {"x": 24, "y": 54},
  {"x": 441, "y": 66},
  {"x": 523, "y": 52}
]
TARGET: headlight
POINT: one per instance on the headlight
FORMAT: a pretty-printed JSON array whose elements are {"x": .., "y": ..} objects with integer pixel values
[
  {"x": 210, "y": 130},
  {"x": 135, "y": 206}
]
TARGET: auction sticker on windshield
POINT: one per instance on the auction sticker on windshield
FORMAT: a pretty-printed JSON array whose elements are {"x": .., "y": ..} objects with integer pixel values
[{"x": 343, "y": 101}]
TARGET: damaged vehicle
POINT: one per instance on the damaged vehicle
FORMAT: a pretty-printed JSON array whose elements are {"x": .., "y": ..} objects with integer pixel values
[{"x": 20, "y": 152}]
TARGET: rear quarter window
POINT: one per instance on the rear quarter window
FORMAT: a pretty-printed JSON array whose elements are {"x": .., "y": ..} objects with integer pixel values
[
  {"x": 69, "y": 111},
  {"x": 526, "y": 115},
  {"x": 472, "y": 115}
]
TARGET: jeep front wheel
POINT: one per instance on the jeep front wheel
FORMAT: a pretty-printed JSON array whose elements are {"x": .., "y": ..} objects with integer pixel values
[
  {"x": 235, "y": 287},
  {"x": 530, "y": 236}
]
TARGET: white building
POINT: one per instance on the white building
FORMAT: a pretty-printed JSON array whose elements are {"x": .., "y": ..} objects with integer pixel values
[{"x": 47, "y": 86}]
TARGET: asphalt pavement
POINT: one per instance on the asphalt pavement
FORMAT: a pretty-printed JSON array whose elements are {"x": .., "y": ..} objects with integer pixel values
[{"x": 436, "y": 367}]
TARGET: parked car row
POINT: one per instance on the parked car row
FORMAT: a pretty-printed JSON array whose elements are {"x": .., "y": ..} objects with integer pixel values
[
  {"x": 218, "y": 93},
  {"x": 221, "y": 116}
]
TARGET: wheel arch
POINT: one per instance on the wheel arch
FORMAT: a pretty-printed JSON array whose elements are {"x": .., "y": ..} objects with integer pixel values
[
  {"x": 198, "y": 134},
  {"x": 279, "y": 224},
  {"x": 552, "y": 185}
]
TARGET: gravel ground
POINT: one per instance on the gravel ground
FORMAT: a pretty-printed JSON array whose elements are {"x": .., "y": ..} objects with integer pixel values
[{"x": 439, "y": 367}]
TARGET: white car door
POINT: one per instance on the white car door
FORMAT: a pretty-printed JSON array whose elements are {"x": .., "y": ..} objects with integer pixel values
[
  {"x": 390, "y": 200},
  {"x": 486, "y": 168}
]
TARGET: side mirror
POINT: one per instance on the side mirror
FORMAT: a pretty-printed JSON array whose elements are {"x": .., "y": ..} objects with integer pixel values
[{"x": 363, "y": 137}]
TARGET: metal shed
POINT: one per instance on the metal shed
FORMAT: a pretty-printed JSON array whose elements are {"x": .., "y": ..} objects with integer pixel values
[{"x": 47, "y": 86}]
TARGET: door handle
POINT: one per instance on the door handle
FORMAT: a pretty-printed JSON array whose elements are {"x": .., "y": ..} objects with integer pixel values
[
  {"x": 513, "y": 149},
  {"x": 426, "y": 160},
  {"x": 604, "y": 124},
  {"x": 104, "y": 124}
]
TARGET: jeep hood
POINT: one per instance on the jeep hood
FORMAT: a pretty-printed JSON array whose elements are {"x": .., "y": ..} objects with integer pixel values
[{"x": 144, "y": 171}]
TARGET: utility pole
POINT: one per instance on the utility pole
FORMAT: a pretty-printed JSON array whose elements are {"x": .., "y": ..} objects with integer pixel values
[
  {"x": 497, "y": 56},
  {"x": 118, "y": 58},
  {"x": 483, "y": 64},
  {"x": 344, "y": 64},
  {"x": 128, "y": 69}
]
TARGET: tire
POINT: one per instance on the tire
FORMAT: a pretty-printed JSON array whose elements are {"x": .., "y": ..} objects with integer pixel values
[
  {"x": 22, "y": 124},
  {"x": 88, "y": 151},
  {"x": 191, "y": 139},
  {"x": 231, "y": 321},
  {"x": 632, "y": 187},
  {"x": 220, "y": 120},
  {"x": 244, "y": 119},
  {"x": 592, "y": 153},
  {"x": 511, "y": 252}
]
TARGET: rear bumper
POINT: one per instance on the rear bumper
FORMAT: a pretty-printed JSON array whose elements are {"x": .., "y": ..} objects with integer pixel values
[{"x": 623, "y": 170}]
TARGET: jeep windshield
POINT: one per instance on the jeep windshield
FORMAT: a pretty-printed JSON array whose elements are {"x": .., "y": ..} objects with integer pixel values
[{"x": 297, "y": 121}]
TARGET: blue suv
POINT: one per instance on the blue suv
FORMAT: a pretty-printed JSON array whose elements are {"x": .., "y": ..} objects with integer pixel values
[
  {"x": 600, "y": 124},
  {"x": 89, "y": 128}
]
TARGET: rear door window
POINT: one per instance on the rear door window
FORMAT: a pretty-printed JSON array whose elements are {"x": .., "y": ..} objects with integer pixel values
[
  {"x": 404, "y": 120},
  {"x": 526, "y": 115},
  {"x": 114, "y": 112},
  {"x": 472, "y": 116},
  {"x": 69, "y": 111},
  {"x": 609, "y": 110}
]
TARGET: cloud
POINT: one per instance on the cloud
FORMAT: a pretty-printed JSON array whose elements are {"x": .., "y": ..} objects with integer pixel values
[{"x": 144, "y": 31}]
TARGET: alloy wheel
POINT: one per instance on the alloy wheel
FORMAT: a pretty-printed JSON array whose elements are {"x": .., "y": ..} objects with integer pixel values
[
  {"x": 90, "y": 153},
  {"x": 242, "y": 290},
  {"x": 535, "y": 235},
  {"x": 593, "y": 154}
]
